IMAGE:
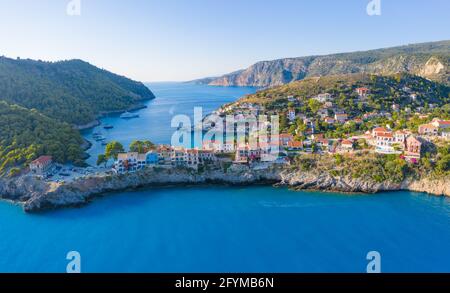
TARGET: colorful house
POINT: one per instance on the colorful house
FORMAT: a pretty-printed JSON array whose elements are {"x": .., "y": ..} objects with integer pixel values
[
  {"x": 152, "y": 158},
  {"x": 441, "y": 124},
  {"x": 428, "y": 129},
  {"x": 285, "y": 138},
  {"x": 413, "y": 149},
  {"x": 291, "y": 114},
  {"x": 347, "y": 145},
  {"x": 295, "y": 145},
  {"x": 329, "y": 120}
]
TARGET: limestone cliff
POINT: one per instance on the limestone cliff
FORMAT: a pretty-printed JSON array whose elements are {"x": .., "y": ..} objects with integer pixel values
[{"x": 428, "y": 60}]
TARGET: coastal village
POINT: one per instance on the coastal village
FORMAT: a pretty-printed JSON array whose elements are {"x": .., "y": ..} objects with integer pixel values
[{"x": 408, "y": 144}]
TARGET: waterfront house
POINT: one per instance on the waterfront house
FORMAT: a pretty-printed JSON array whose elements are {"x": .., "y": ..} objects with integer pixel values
[
  {"x": 177, "y": 156},
  {"x": 245, "y": 153},
  {"x": 191, "y": 158},
  {"x": 126, "y": 162},
  {"x": 413, "y": 149},
  {"x": 208, "y": 145},
  {"x": 206, "y": 156},
  {"x": 387, "y": 144},
  {"x": 151, "y": 158},
  {"x": 164, "y": 154},
  {"x": 141, "y": 161},
  {"x": 42, "y": 166},
  {"x": 218, "y": 146},
  {"x": 269, "y": 151}
]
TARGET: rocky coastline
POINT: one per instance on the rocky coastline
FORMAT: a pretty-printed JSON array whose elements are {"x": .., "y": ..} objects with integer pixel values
[{"x": 36, "y": 195}]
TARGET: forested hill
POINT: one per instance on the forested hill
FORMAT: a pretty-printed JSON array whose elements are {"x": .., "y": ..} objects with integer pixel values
[
  {"x": 428, "y": 60},
  {"x": 69, "y": 91}
]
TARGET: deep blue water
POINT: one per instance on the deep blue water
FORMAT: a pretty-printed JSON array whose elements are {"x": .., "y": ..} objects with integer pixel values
[
  {"x": 251, "y": 229},
  {"x": 226, "y": 229}
]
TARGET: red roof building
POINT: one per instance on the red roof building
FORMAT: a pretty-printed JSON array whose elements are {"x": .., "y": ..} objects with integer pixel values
[
  {"x": 362, "y": 91},
  {"x": 42, "y": 165}
]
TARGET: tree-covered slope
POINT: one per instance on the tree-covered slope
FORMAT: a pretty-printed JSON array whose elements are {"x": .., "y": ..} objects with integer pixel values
[
  {"x": 70, "y": 91},
  {"x": 26, "y": 134},
  {"x": 384, "y": 92},
  {"x": 428, "y": 60}
]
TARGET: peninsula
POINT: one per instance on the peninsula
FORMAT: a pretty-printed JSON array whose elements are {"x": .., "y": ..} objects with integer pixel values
[{"x": 349, "y": 133}]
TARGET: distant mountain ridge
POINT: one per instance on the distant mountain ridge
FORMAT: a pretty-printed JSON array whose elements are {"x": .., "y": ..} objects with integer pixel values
[{"x": 429, "y": 60}]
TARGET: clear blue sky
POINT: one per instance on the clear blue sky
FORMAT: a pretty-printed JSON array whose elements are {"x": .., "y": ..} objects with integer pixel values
[{"x": 160, "y": 40}]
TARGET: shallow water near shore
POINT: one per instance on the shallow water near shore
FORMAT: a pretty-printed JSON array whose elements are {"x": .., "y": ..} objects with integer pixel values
[{"x": 223, "y": 228}]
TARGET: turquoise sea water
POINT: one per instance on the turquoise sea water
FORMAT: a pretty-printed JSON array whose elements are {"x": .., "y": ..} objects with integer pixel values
[
  {"x": 237, "y": 229},
  {"x": 225, "y": 228}
]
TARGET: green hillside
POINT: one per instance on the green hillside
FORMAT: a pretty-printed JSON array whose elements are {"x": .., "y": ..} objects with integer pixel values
[
  {"x": 384, "y": 92},
  {"x": 26, "y": 134},
  {"x": 70, "y": 91}
]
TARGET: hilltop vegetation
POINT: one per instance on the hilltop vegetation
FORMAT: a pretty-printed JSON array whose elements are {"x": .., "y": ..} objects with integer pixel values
[
  {"x": 384, "y": 91},
  {"x": 70, "y": 91},
  {"x": 26, "y": 134},
  {"x": 429, "y": 60}
]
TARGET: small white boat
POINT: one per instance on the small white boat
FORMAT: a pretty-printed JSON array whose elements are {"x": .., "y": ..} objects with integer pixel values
[{"x": 128, "y": 115}]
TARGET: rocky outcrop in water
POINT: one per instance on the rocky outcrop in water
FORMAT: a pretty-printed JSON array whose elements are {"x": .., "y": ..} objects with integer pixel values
[
  {"x": 46, "y": 196},
  {"x": 324, "y": 181}
]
